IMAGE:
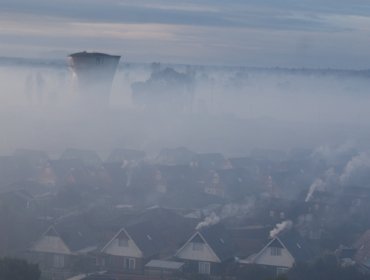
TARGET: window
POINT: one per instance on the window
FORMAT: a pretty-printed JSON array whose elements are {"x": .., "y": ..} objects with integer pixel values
[
  {"x": 58, "y": 261},
  {"x": 204, "y": 268},
  {"x": 122, "y": 242},
  {"x": 197, "y": 246},
  {"x": 130, "y": 263},
  {"x": 275, "y": 251}
]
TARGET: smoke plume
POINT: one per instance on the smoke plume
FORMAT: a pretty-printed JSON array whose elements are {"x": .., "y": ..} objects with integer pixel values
[
  {"x": 329, "y": 178},
  {"x": 357, "y": 167},
  {"x": 212, "y": 219},
  {"x": 283, "y": 226},
  {"x": 316, "y": 184}
]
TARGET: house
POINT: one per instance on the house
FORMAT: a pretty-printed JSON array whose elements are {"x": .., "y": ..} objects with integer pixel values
[
  {"x": 121, "y": 253},
  {"x": 155, "y": 234},
  {"x": 207, "y": 251},
  {"x": 69, "y": 246},
  {"x": 52, "y": 254},
  {"x": 280, "y": 253}
]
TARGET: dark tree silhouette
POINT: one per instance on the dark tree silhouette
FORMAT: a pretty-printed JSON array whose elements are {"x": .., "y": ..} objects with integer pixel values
[
  {"x": 16, "y": 269},
  {"x": 324, "y": 268}
]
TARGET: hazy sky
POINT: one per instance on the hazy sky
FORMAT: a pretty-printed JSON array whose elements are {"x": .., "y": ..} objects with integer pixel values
[{"x": 304, "y": 33}]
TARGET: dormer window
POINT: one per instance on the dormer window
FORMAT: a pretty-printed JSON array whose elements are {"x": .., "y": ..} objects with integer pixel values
[{"x": 275, "y": 251}]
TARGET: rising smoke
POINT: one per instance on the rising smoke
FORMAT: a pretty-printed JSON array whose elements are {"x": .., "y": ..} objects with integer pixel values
[
  {"x": 356, "y": 168},
  {"x": 328, "y": 179},
  {"x": 281, "y": 227},
  {"x": 355, "y": 172},
  {"x": 210, "y": 220}
]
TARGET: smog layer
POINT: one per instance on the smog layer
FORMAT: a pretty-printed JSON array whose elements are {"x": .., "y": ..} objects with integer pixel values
[{"x": 207, "y": 109}]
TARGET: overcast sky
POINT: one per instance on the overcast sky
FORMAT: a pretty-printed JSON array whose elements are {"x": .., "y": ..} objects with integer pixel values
[{"x": 286, "y": 33}]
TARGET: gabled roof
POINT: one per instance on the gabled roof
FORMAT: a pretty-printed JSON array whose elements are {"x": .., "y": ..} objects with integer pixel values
[
  {"x": 161, "y": 232},
  {"x": 197, "y": 237},
  {"x": 158, "y": 231},
  {"x": 78, "y": 234},
  {"x": 217, "y": 238},
  {"x": 51, "y": 242},
  {"x": 84, "y": 232},
  {"x": 122, "y": 233},
  {"x": 297, "y": 247}
]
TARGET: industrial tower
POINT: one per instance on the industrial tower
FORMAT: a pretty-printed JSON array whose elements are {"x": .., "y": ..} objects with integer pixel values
[{"x": 94, "y": 73}]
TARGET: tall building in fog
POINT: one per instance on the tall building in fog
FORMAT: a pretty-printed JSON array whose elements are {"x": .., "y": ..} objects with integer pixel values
[{"x": 93, "y": 73}]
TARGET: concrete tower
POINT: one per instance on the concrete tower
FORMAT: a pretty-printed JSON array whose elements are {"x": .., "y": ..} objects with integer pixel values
[{"x": 94, "y": 73}]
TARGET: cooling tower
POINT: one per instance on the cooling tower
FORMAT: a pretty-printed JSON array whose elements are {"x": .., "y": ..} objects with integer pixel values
[{"x": 94, "y": 73}]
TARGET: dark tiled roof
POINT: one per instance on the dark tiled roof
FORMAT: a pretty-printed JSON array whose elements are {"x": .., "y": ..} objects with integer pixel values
[
  {"x": 87, "y": 230},
  {"x": 248, "y": 241},
  {"x": 160, "y": 231},
  {"x": 300, "y": 248},
  {"x": 220, "y": 241}
]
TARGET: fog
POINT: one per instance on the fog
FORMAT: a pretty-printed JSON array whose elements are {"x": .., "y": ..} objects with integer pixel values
[
  {"x": 206, "y": 109},
  {"x": 239, "y": 159}
]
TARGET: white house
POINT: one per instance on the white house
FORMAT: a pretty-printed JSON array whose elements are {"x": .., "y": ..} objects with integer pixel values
[
  {"x": 206, "y": 251},
  {"x": 281, "y": 253},
  {"x": 121, "y": 252}
]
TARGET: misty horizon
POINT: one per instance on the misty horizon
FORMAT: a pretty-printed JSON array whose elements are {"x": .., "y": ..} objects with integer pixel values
[{"x": 184, "y": 140}]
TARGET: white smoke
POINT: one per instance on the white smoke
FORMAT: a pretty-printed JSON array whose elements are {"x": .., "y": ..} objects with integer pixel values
[
  {"x": 330, "y": 178},
  {"x": 283, "y": 226},
  {"x": 212, "y": 219},
  {"x": 332, "y": 153},
  {"x": 354, "y": 167},
  {"x": 316, "y": 184},
  {"x": 237, "y": 209}
]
